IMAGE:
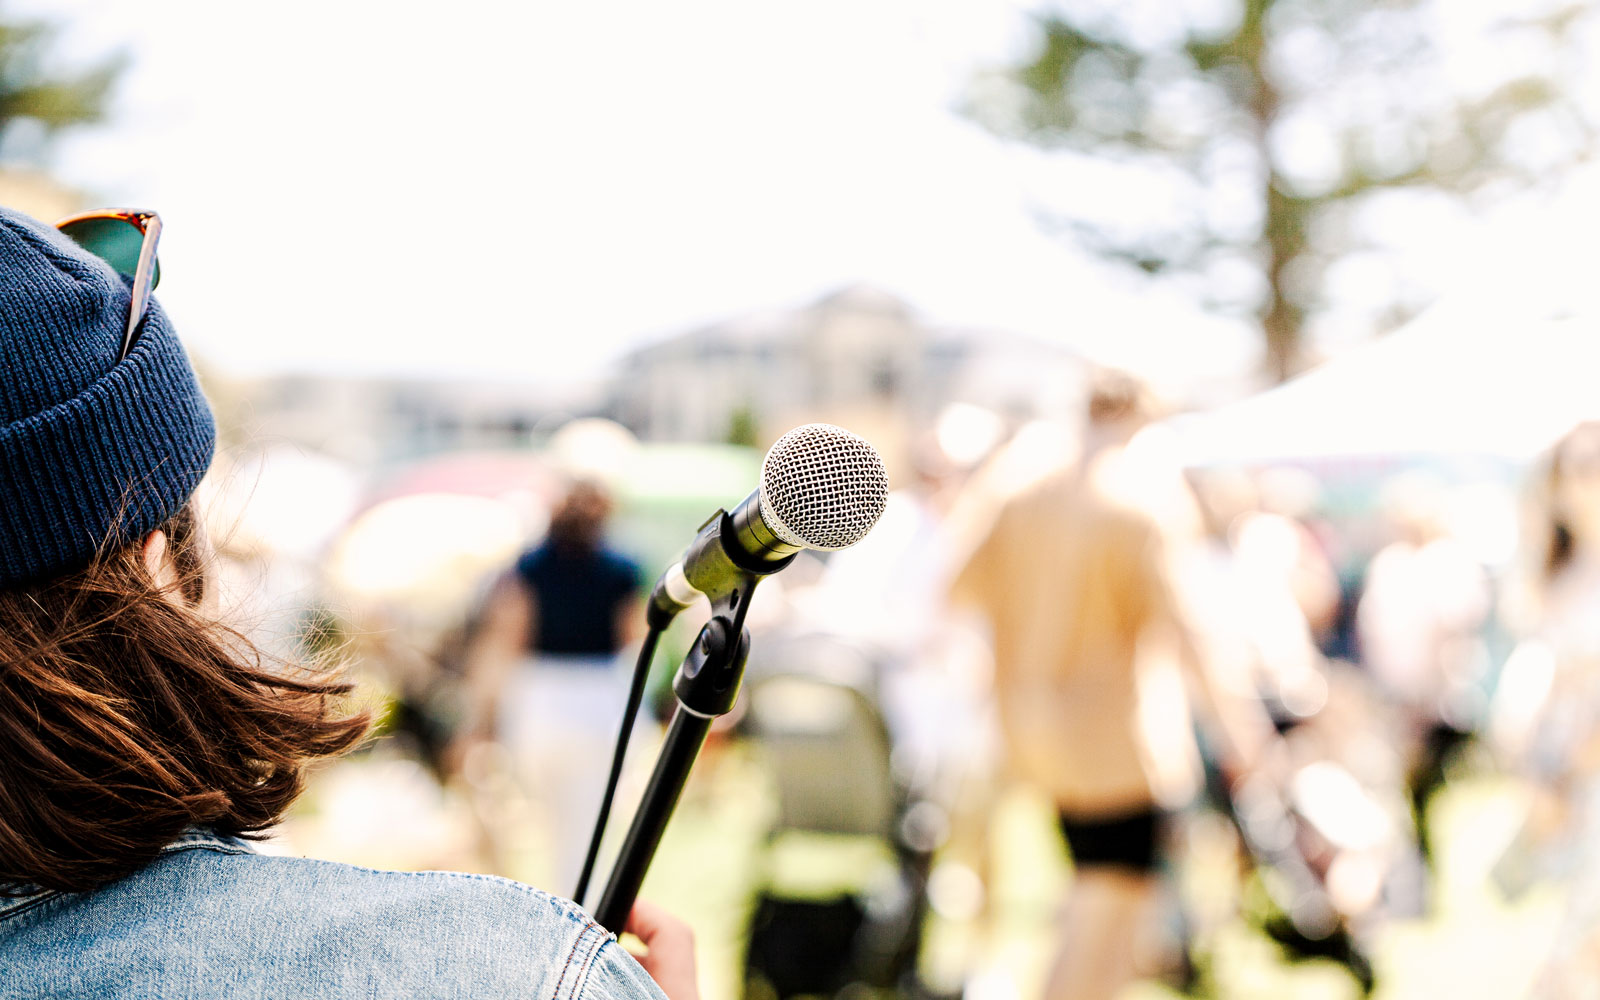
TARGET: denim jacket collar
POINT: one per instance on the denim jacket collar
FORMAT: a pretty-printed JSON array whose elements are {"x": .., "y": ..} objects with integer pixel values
[
  {"x": 194, "y": 838},
  {"x": 199, "y": 836}
]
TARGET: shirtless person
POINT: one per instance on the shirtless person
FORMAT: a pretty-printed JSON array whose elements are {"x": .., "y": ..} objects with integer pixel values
[{"x": 1074, "y": 576}]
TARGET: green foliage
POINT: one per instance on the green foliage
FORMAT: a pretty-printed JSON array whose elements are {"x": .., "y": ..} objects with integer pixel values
[
  {"x": 742, "y": 428},
  {"x": 1269, "y": 124},
  {"x": 33, "y": 90}
]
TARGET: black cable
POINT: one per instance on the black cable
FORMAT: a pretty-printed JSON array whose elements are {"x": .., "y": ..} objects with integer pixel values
[{"x": 641, "y": 673}]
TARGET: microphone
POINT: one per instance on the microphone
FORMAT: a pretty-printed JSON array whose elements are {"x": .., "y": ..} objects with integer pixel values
[{"x": 822, "y": 488}]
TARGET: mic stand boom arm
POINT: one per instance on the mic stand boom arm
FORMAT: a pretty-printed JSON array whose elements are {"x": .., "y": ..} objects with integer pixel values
[{"x": 706, "y": 686}]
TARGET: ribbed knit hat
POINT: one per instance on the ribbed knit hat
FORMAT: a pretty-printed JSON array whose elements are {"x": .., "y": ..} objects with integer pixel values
[{"x": 87, "y": 443}]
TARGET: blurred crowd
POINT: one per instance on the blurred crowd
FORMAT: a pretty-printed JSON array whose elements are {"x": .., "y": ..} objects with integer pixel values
[
  {"x": 1270, "y": 671},
  {"x": 1101, "y": 695}
]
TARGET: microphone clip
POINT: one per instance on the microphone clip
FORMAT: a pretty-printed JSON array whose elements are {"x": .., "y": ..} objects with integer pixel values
[{"x": 707, "y": 682}]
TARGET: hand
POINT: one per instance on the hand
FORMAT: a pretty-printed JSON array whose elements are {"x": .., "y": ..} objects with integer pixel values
[{"x": 669, "y": 950}]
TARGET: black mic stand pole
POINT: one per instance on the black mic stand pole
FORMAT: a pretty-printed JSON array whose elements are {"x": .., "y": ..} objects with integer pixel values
[{"x": 707, "y": 684}]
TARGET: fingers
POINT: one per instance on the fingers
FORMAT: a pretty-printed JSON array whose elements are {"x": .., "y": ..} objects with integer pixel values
[
  {"x": 649, "y": 922},
  {"x": 669, "y": 956}
]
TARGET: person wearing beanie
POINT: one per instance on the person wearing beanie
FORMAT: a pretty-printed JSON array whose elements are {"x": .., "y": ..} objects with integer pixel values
[{"x": 144, "y": 744}]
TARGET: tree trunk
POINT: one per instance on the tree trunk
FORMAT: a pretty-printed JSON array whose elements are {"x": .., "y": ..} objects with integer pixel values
[{"x": 1285, "y": 215}]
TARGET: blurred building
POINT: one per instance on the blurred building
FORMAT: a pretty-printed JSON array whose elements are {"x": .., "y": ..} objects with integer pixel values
[
  {"x": 375, "y": 420},
  {"x": 859, "y": 357}
]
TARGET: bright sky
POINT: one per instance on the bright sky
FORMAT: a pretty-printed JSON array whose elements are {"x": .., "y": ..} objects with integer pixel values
[{"x": 526, "y": 190}]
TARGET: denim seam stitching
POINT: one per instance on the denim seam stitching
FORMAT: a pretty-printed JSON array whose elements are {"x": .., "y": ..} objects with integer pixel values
[
  {"x": 570, "y": 911},
  {"x": 22, "y": 908},
  {"x": 567, "y": 965},
  {"x": 582, "y": 978},
  {"x": 179, "y": 848}
]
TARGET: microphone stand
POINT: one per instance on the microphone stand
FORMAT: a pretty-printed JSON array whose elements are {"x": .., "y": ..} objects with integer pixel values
[{"x": 706, "y": 686}]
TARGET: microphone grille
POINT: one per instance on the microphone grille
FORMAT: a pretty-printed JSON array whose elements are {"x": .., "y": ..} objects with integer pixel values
[{"x": 822, "y": 487}]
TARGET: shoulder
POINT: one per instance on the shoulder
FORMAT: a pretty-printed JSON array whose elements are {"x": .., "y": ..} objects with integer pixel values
[
  {"x": 532, "y": 562},
  {"x": 1060, "y": 497},
  {"x": 497, "y": 933},
  {"x": 536, "y": 556},
  {"x": 329, "y": 929},
  {"x": 444, "y": 910},
  {"x": 620, "y": 566}
]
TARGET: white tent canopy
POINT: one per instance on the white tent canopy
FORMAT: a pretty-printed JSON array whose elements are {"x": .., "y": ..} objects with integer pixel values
[
  {"x": 1447, "y": 385},
  {"x": 1501, "y": 367}
]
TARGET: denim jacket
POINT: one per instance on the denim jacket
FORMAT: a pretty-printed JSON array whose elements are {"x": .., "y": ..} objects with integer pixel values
[{"x": 212, "y": 918}]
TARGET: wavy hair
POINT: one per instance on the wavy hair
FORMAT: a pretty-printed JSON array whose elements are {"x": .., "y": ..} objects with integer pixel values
[{"x": 128, "y": 715}]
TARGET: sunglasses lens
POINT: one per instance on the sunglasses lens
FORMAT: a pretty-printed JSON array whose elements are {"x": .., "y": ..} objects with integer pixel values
[{"x": 115, "y": 241}]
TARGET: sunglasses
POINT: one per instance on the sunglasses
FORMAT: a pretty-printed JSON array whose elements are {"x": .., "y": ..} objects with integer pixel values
[{"x": 126, "y": 239}]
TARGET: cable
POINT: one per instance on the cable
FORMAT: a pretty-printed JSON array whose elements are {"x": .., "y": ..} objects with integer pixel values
[{"x": 641, "y": 673}]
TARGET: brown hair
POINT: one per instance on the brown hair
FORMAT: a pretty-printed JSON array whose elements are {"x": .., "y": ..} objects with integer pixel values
[
  {"x": 1115, "y": 396},
  {"x": 579, "y": 520},
  {"x": 1580, "y": 446},
  {"x": 127, "y": 715}
]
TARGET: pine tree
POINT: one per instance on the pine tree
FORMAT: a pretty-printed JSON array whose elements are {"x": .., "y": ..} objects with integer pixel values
[{"x": 1271, "y": 125}]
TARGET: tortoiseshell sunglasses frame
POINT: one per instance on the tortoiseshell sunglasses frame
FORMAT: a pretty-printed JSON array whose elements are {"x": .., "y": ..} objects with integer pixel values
[{"x": 147, "y": 272}]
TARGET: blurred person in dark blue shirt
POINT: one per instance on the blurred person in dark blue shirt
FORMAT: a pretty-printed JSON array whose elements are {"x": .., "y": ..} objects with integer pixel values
[
  {"x": 583, "y": 594},
  {"x": 543, "y": 674}
]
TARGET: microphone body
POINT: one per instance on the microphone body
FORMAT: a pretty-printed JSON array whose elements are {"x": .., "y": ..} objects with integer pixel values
[{"x": 728, "y": 547}]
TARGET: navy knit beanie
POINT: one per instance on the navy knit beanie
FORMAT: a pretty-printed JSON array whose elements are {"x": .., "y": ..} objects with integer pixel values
[{"x": 88, "y": 444}]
